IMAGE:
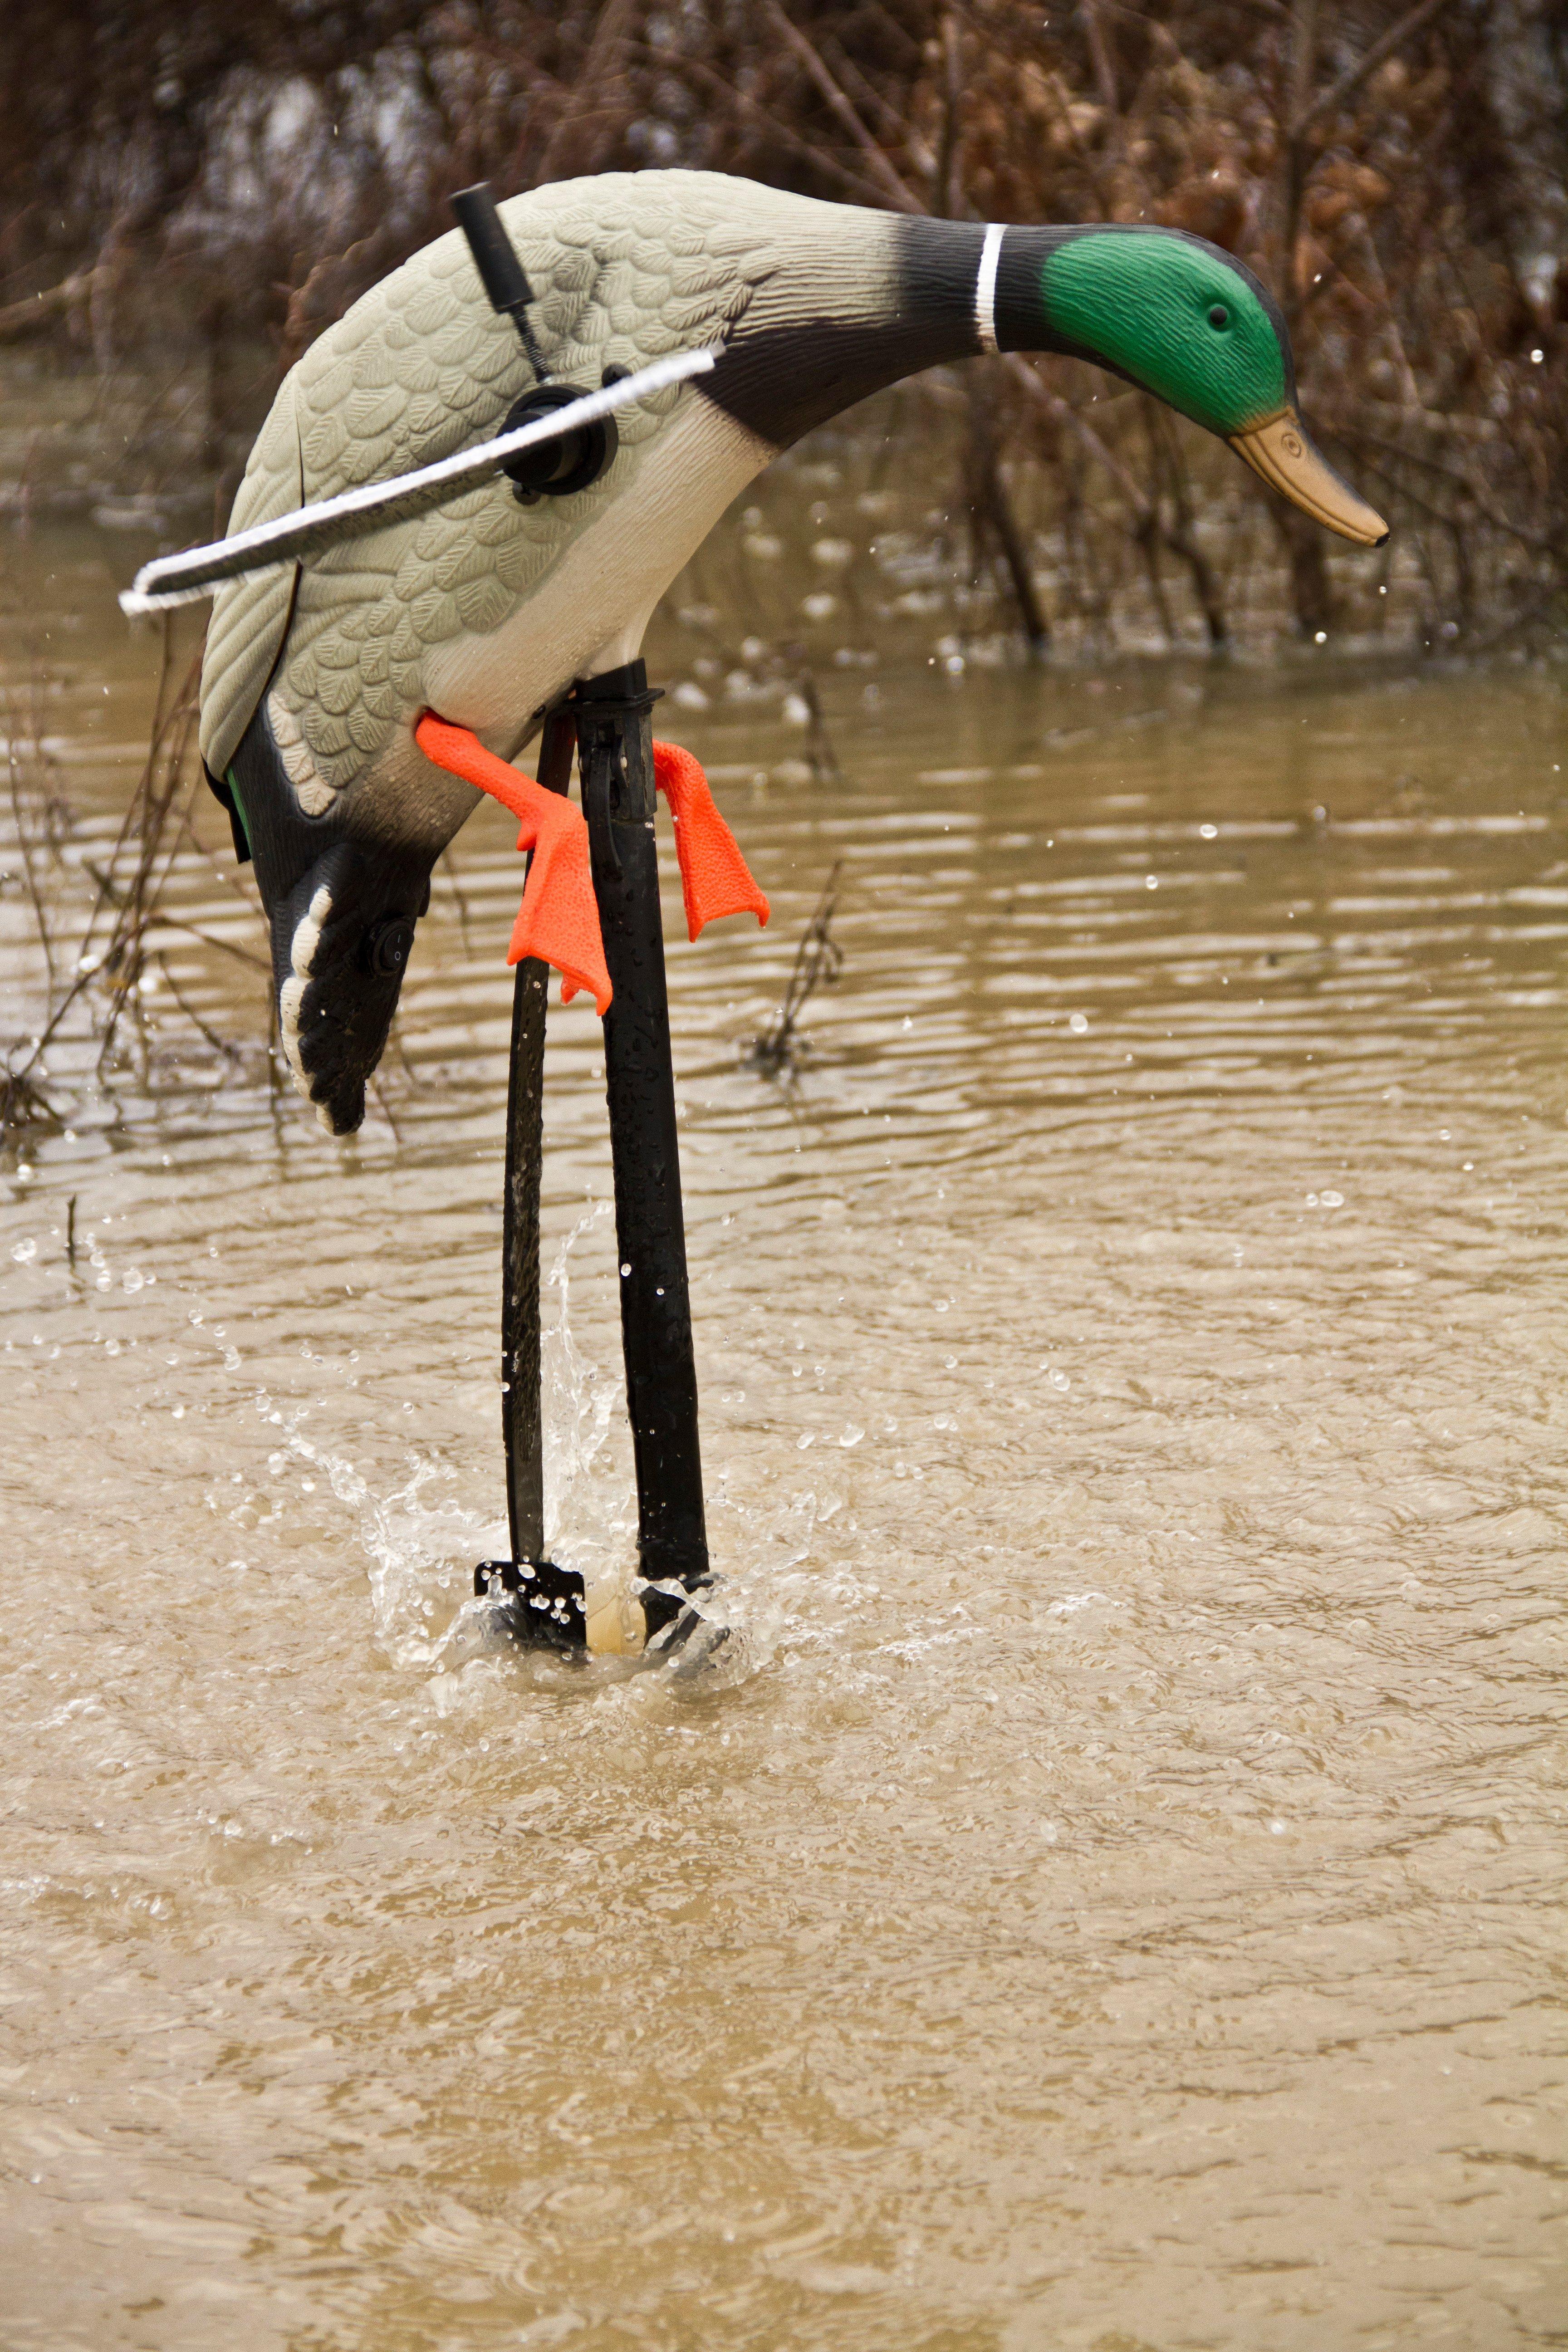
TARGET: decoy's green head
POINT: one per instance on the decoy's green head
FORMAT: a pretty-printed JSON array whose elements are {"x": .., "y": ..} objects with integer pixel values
[{"x": 1185, "y": 321}]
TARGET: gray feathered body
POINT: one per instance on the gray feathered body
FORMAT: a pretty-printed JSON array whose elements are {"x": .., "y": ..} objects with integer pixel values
[
  {"x": 484, "y": 610},
  {"x": 625, "y": 268}
]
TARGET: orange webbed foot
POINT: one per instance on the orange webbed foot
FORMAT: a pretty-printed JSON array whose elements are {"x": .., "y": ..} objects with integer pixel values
[
  {"x": 558, "y": 920},
  {"x": 714, "y": 876}
]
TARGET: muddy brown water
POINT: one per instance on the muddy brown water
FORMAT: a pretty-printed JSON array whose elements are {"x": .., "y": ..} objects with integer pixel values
[{"x": 1110, "y": 1895}]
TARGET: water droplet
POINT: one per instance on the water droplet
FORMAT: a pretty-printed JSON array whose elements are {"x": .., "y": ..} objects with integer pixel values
[
  {"x": 1209, "y": 831},
  {"x": 626, "y": 1270},
  {"x": 1079, "y": 1024},
  {"x": 23, "y": 1251}
]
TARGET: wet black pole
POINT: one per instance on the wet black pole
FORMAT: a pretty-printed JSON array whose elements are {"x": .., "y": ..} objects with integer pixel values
[
  {"x": 615, "y": 742},
  {"x": 546, "y": 1604},
  {"x": 522, "y": 1419}
]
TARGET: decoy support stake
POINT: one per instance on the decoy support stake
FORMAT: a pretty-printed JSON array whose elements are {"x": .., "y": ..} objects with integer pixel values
[{"x": 606, "y": 718}]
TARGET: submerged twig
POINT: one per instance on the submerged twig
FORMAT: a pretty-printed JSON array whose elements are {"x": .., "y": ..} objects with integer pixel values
[
  {"x": 818, "y": 962},
  {"x": 819, "y": 749},
  {"x": 24, "y": 1107},
  {"x": 219, "y": 1045},
  {"x": 119, "y": 937},
  {"x": 378, "y": 1095},
  {"x": 450, "y": 868},
  {"x": 25, "y": 850}
]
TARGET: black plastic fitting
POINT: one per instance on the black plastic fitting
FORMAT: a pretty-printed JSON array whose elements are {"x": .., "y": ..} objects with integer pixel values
[{"x": 553, "y": 470}]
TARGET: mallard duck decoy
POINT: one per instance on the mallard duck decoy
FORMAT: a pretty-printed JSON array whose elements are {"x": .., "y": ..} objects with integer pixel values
[{"x": 317, "y": 676}]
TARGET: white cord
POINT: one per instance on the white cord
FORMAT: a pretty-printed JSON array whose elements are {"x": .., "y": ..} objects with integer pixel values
[
  {"x": 308, "y": 530},
  {"x": 985, "y": 289}
]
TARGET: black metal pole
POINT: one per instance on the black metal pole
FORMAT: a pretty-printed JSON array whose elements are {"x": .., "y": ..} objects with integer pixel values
[
  {"x": 522, "y": 1421},
  {"x": 615, "y": 742},
  {"x": 544, "y": 1604}
]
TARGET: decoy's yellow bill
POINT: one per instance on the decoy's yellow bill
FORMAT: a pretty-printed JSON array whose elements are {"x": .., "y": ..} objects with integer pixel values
[{"x": 1282, "y": 452}]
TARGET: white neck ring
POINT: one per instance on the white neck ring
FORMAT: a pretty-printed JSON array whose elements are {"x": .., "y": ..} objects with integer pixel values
[{"x": 985, "y": 289}]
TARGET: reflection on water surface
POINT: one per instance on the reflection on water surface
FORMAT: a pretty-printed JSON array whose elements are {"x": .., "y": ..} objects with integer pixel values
[{"x": 1113, "y": 1901}]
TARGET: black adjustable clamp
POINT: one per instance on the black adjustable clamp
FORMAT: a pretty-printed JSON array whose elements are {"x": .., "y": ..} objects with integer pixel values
[{"x": 552, "y": 469}]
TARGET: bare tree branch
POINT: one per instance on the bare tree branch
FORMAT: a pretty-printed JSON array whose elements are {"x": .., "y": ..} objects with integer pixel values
[
  {"x": 900, "y": 195},
  {"x": 1352, "y": 80}
]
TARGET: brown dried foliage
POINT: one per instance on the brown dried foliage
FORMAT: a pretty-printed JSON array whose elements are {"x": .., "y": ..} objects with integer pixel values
[
  {"x": 1399, "y": 173},
  {"x": 94, "y": 974}
]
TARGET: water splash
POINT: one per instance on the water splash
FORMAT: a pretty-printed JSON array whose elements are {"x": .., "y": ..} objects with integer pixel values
[
  {"x": 422, "y": 1539},
  {"x": 590, "y": 1492}
]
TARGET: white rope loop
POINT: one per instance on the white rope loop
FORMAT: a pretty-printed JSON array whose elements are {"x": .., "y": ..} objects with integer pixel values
[{"x": 371, "y": 506}]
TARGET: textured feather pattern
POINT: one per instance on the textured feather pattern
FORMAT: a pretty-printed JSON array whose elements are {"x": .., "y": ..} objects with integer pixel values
[
  {"x": 626, "y": 269},
  {"x": 250, "y": 619}
]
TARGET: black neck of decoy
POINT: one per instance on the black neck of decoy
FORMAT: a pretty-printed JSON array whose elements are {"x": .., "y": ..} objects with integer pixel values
[{"x": 782, "y": 380}]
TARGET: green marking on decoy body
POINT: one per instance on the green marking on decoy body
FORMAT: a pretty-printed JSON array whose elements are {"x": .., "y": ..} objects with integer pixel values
[{"x": 1173, "y": 316}]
